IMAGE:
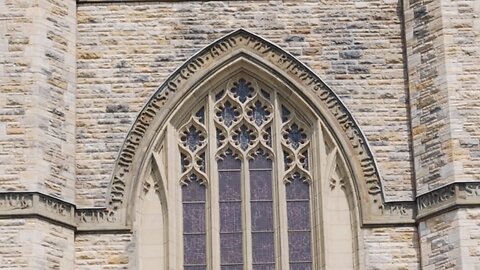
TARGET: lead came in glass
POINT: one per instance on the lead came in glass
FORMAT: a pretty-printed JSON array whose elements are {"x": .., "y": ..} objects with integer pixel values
[
  {"x": 230, "y": 200},
  {"x": 261, "y": 208},
  {"x": 194, "y": 236},
  {"x": 299, "y": 227}
]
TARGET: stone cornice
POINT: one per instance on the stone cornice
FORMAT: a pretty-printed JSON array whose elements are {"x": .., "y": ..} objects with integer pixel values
[{"x": 38, "y": 205}]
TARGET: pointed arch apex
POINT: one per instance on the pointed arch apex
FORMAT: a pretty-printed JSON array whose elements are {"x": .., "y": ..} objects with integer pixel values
[{"x": 243, "y": 43}]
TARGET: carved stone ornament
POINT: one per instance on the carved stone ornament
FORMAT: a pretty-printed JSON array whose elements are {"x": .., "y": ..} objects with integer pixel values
[
  {"x": 246, "y": 113},
  {"x": 242, "y": 97}
]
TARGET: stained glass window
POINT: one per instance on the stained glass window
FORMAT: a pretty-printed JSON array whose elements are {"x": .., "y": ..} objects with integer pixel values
[
  {"x": 194, "y": 229},
  {"x": 251, "y": 164},
  {"x": 261, "y": 208}
]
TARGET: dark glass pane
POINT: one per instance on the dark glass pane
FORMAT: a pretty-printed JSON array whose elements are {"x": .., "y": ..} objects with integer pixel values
[
  {"x": 231, "y": 249},
  {"x": 264, "y": 267},
  {"x": 193, "y": 192},
  {"x": 260, "y": 162},
  {"x": 299, "y": 245},
  {"x": 300, "y": 266},
  {"x": 230, "y": 217},
  {"x": 193, "y": 217},
  {"x": 194, "y": 249},
  {"x": 298, "y": 215},
  {"x": 263, "y": 249},
  {"x": 298, "y": 189},
  {"x": 232, "y": 267},
  {"x": 260, "y": 185},
  {"x": 262, "y": 216},
  {"x": 195, "y": 268},
  {"x": 229, "y": 162},
  {"x": 230, "y": 186}
]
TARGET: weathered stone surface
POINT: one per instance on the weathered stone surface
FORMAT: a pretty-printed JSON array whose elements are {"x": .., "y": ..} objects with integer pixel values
[
  {"x": 37, "y": 97},
  {"x": 443, "y": 50},
  {"x": 106, "y": 251},
  {"x": 125, "y": 51},
  {"x": 35, "y": 244},
  {"x": 390, "y": 248}
]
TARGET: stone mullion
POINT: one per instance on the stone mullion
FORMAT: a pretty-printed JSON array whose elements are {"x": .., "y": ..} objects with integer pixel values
[
  {"x": 174, "y": 210},
  {"x": 213, "y": 209},
  {"x": 246, "y": 215},
  {"x": 281, "y": 233},
  {"x": 318, "y": 152}
]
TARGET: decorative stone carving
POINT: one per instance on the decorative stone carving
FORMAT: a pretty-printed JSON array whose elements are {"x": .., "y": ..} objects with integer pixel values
[
  {"x": 243, "y": 119},
  {"x": 15, "y": 201}
]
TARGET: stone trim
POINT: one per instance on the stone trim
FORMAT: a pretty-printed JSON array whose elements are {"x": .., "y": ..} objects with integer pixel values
[
  {"x": 452, "y": 196},
  {"x": 374, "y": 209},
  {"x": 35, "y": 204}
]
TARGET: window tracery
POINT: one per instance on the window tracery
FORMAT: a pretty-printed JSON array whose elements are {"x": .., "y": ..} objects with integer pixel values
[{"x": 251, "y": 165}]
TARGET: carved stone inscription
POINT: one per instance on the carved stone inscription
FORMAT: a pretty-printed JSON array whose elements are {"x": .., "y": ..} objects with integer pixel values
[
  {"x": 15, "y": 201},
  {"x": 56, "y": 207},
  {"x": 95, "y": 216},
  {"x": 435, "y": 198},
  {"x": 272, "y": 54},
  {"x": 472, "y": 190}
]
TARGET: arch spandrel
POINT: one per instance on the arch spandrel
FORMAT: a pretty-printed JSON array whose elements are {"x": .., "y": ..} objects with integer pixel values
[{"x": 242, "y": 48}]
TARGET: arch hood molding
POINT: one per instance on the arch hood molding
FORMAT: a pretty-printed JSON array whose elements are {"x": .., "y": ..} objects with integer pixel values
[{"x": 136, "y": 152}]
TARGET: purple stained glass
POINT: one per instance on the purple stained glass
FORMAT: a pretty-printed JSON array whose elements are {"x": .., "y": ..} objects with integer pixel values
[
  {"x": 230, "y": 217},
  {"x": 231, "y": 248},
  {"x": 301, "y": 266},
  {"x": 193, "y": 192},
  {"x": 264, "y": 266},
  {"x": 194, "y": 217},
  {"x": 261, "y": 208},
  {"x": 260, "y": 161},
  {"x": 299, "y": 245},
  {"x": 262, "y": 216},
  {"x": 230, "y": 211},
  {"x": 230, "y": 186},
  {"x": 195, "y": 267},
  {"x": 194, "y": 238},
  {"x": 261, "y": 185},
  {"x": 299, "y": 225},
  {"x": 297, "y": 189},
  {"x": 229, "y": 162},
  {"x": 298, "y": 213},
  {"x": 263, "y": 247},
  {"x": 194, "y": 249},
  {"x": 232, "y": 267}
]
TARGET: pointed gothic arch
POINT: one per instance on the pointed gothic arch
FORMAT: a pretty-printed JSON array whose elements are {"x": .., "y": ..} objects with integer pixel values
[{"x": 241, "y": 49}]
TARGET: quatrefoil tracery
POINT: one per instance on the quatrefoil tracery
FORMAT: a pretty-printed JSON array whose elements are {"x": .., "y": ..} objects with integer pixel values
[
  {"x": 192, "y": 142},
  {"x": 295, "y": 143},
  {"x": 243, "y": 117}
]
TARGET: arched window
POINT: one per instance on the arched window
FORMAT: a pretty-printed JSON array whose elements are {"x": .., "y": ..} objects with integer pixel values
[{"x": 244, "y": 169}]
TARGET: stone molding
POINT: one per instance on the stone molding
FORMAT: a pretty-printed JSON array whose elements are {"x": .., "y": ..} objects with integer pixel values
[
  {"x": 241, "y": 43},
  {"x": 34, "y": 205}
]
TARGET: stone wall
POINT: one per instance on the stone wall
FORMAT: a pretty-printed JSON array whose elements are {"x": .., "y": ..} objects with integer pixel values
[
  {"x": 390, "y": 248},
  {"x": 103, "y": 251},
  {"x": 443, "y": 48},
  {"x": 37, "y": 97},
  {"x": 28, "y": 243},
  {"x": 126, "y": 50}
]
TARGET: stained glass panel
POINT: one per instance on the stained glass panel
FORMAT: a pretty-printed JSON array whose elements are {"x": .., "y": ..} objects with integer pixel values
[
  {"x": 231, "y": 241},
  {"x": 299, "y": 227},
  {"x": 261, "y": 208},
  {"x": 194, "y": 233}
]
